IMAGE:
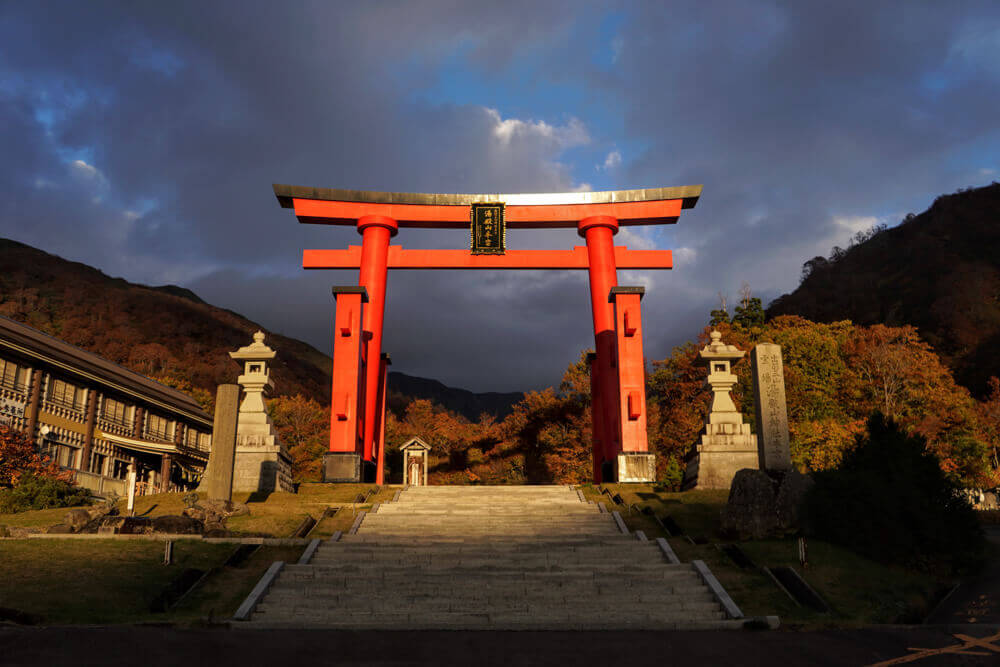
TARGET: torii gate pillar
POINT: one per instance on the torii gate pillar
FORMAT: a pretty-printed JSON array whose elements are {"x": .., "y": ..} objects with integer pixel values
[{"x": 343, "y": 462}]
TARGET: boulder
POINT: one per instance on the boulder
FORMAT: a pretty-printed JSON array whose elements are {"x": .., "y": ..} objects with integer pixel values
[
  {"x": 239, "y": 509},
  {"x": 4, "y": 532},
  {"x": 791, "y": 492},
  {"x": 195, "y": 513},
  {"x": 59, "y": 529},
  {"x": 751, "y": 511},
  {"x": 77, "y": 519},
  {"x": 215, "y": 529},
  {"x": 177, "y": 525}
]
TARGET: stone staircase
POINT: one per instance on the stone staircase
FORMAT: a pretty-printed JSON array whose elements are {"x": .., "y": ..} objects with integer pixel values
[{"x": 528, "y": 557}]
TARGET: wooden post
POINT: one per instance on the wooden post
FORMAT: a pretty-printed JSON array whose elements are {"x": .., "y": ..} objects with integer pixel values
[{"x": 88, "y": 437}]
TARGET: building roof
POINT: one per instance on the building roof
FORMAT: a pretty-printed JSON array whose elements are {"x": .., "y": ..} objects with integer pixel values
[
  {"x": 688, "y": 193},
  {"x": 73, "y": 360},
  {"x": 415, "y": 443}
]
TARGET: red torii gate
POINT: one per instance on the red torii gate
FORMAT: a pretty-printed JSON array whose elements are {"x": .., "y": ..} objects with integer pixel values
[{"x": 618, "y": 412}]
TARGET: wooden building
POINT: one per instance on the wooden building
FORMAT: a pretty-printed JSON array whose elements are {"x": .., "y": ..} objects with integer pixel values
[{"x": 96, "y": 417}]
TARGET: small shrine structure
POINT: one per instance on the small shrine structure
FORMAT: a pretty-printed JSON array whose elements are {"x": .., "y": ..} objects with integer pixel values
[
  {"x": 414, "y": 454},
  {"x": 728, "y": 444},
  {"x": 262, "y": 463}
]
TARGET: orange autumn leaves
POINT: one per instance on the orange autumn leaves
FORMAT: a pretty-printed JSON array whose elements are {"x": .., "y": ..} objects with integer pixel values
[{"x": 835, "y": 376}]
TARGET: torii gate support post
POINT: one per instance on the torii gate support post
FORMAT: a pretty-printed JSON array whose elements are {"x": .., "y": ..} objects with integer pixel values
[
  {"x": 634, "y": 463},
  {"x": 343, "y": 462},
  {"x": 599, "y": 231},
  {"x": 595, "y": 417},
  {"x": 383, "y": 391},
  {"x": 375, "y": 230}
]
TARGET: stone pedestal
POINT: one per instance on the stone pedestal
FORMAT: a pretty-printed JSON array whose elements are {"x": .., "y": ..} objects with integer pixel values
[
  {"x": 635, "y": 468},
  {"x": 724, "y": 449},
  {"x": 341, "y": 467},
  {"x": 727, "y": 445}
]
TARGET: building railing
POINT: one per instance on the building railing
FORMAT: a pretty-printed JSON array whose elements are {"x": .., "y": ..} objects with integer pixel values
[
  {"x": 99, "y": 484},
  {"x": 115, "y": 428},
  {"x": 59, "y": 409},
  {"x": 13, "y": 388}
]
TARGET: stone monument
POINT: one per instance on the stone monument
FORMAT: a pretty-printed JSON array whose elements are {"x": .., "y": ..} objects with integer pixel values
[
  {"x": 769, "y": 405},
  {"x": 217, "y": 482},
  {"x": 727, "y": 445},
  {"x": 262, "y": 462}
]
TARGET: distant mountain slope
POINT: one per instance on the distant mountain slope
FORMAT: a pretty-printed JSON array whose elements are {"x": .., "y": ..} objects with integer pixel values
[
  {"x": 403, "y": 387},
  {"x": 151, "y": 330},
  {"x": 938, "y": 271},
  {"x": 169, "y": 330}
]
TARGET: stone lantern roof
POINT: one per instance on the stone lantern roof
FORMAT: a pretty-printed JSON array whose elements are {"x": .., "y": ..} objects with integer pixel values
[
  {"x": 717, "y": 350},
  {"x": 256, "y": 351}
]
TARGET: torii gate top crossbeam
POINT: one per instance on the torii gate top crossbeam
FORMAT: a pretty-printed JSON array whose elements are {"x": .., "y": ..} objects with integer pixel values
[{"x": 547, "y": 210}]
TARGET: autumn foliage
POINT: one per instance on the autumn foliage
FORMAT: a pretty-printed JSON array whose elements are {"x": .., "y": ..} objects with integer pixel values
[
  {"x": 836, "y": 376},
  {"x": 19, "y": 457}
]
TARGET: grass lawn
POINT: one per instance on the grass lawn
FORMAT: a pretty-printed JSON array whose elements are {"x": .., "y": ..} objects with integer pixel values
[
  {"x": 115, "y": 581},
  {"x": 859, "y": 591},
  {"x": 271, "y": 515}
]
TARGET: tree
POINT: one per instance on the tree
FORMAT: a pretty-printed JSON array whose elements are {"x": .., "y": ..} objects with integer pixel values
[
  {"x": 304, "y": 426},
  {"x": 18, "y": 457},
  {"x": 750, "y": 312},
  {"x": 721, "y": 314}
]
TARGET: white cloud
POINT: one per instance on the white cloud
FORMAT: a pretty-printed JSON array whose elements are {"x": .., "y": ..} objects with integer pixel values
[
  {"x": 613, "y": 160},
  {"x": 855, "y": 223},
  {"x": 573, "y": 133}
]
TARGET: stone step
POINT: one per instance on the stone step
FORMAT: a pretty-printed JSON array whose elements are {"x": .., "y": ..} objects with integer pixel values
[{"x": 606, "y": 595}]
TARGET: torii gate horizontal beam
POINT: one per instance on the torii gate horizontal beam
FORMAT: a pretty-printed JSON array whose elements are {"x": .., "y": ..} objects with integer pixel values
[
  {"x": 522, "y": 211},
  {"x": 400, "y": 258}
]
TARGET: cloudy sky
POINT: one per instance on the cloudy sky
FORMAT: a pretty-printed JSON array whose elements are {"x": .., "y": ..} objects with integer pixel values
[{"x": 143, "y": 139}]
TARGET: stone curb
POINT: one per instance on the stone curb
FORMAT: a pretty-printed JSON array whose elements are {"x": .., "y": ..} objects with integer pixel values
[
  {"x": 308, "y": 553},
  {"x": 374, "y": 509},
  {"x": 668, "y": 551},
  {"x": 395, "y": 497},
  {"x": 621, "y": 523},
  {"x": 641, "y": 536},
  {"x": 717, "y": 590},
  {"x": 164, "y": 537},
  {"x": 243, "y": 613},
  {"x": 357, "y": 523},
  {"x": 336, "y": 536},
  {"x": 579, "y": 494}
]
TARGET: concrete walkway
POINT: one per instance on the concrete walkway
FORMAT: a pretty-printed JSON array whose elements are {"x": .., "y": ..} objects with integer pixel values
[{"x": 124, "y": 646}]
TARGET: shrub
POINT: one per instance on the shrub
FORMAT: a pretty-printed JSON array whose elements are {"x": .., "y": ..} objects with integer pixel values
[
  {"x": 890, "y": 501},
  {"x": 33, "y": 492}
]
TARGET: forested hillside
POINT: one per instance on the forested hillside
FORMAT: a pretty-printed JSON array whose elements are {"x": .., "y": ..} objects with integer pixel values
[{"x": 938, "y": 271}]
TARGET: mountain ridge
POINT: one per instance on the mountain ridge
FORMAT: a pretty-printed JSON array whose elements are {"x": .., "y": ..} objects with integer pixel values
[
  {"x": 169, "y": 331},
  {"x": 937, "y": 271}
]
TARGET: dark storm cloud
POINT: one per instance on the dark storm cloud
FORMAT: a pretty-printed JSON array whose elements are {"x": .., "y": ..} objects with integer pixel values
[{"x": 143, "y": 139}]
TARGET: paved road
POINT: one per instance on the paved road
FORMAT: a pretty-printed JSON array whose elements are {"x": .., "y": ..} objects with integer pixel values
[
  {"x": 976, "y": 600},
  {"x": 154, "y": 646}
]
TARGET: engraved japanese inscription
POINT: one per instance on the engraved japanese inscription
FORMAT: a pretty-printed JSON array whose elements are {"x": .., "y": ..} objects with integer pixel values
[{"x": 489, "y": 231}]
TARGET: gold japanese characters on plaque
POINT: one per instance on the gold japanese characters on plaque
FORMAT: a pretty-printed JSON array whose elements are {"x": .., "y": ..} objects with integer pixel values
[{"x": 489, "y": 231}]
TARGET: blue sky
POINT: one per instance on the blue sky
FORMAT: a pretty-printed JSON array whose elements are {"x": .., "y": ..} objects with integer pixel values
[{"x": 143, "y": 139}]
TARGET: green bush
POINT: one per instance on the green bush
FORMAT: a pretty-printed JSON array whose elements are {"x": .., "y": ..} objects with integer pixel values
[
  {"x": 38, "y": 493},
  {"x": 890, "y": 501}
]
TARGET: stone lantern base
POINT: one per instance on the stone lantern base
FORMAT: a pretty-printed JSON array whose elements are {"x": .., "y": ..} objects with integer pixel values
[{"x": 724, "y": 449}]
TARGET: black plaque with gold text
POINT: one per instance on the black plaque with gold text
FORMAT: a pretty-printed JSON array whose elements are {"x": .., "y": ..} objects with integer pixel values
[{"x": 489, "y": 231}]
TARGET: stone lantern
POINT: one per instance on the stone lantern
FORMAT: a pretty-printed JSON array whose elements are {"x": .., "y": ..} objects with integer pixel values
[
  {"x": 727, "y": 445},
  {"x": 262, "y": 463}
]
